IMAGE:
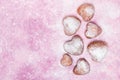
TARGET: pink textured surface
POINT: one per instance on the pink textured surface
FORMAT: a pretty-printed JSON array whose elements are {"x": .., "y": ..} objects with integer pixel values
[{"x": 32, "y": 37}]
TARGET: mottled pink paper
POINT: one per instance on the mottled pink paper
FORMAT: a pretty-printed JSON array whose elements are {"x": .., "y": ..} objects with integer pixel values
[{"x": 32, "y": 37}]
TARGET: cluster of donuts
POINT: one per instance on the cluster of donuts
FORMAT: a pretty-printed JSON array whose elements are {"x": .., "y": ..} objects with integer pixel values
[{"x": 97, "y": 49}]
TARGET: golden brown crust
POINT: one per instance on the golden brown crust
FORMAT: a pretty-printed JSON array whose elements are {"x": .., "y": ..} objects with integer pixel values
[{"x": 97, "y": 43}]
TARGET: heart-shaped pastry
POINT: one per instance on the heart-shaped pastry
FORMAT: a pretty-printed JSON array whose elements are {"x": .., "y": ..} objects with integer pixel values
[
  {"x": 86, "y": 11},
  {"x": 82, "y": 67},
  {"x": 71, "y": 25},
  {"x": 66, "y": 60},
  {"x": 92, "y": 30},
  {"x": 74, "y": 46},
  {"x": 97, "y": 50}
]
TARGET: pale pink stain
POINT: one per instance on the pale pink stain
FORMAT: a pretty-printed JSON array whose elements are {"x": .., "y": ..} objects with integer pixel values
[{"x": 31, "y": 37}]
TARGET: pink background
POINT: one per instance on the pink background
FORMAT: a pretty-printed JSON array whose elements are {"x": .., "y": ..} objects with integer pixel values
[{"x": 32, "y": 37}]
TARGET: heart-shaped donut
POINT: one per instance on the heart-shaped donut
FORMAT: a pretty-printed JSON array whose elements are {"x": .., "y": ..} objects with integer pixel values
[
  {"x": 97, "y": 50},
  {"x": 71, "y": 25},
  {"x": 74, "y": 46},
  {"x": 86, "y": 11},
  {"x": 82, "y": 67},
  {"x": 92, "y": 30}
]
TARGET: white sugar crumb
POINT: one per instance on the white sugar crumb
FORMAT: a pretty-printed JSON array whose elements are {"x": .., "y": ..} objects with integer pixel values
[{"x": 89, "y": 10}]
